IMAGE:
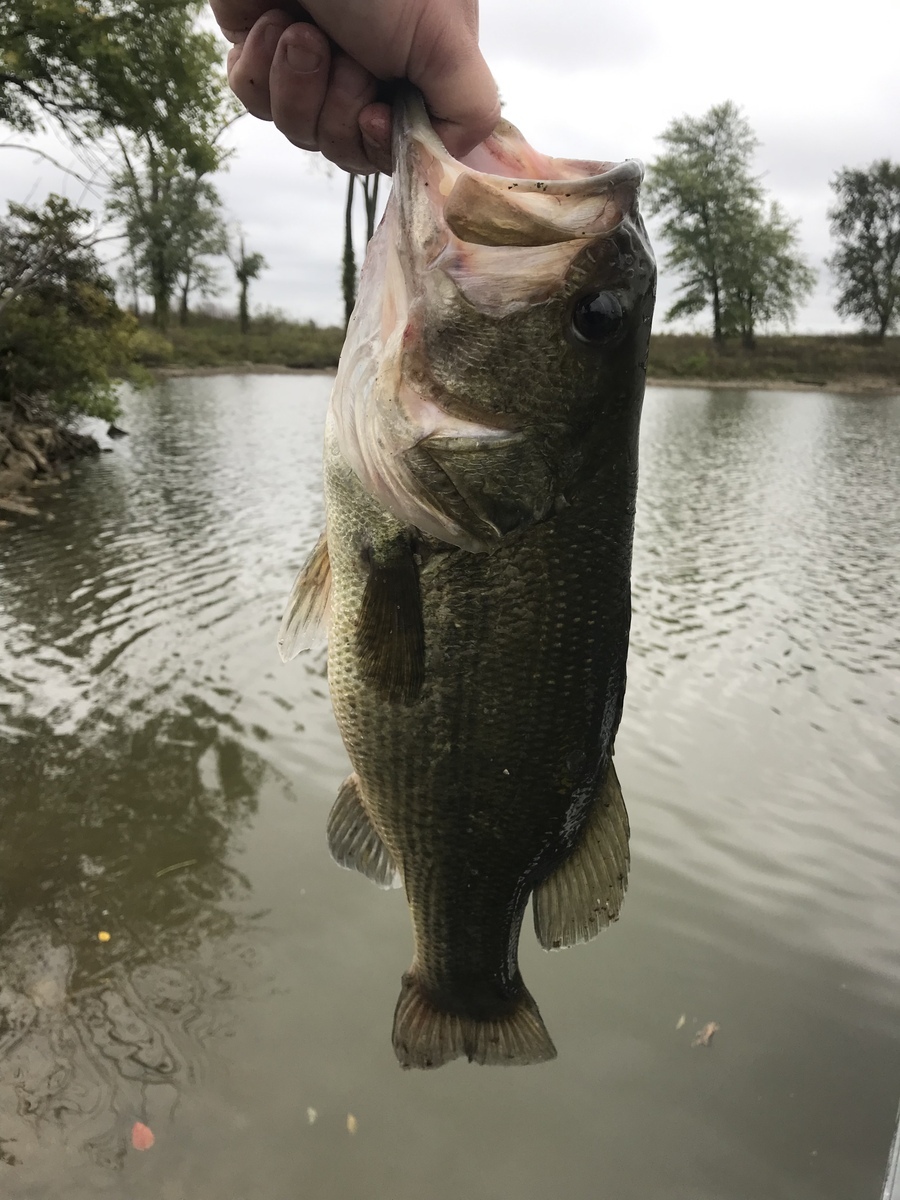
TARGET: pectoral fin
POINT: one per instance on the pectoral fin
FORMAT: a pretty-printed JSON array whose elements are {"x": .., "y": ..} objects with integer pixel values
[
  {"x": 354, "y": 841},
  {"x": 585, "y": 892},
  {"x": 306, "y": 614},
  {"x": 390, "y": 636}
]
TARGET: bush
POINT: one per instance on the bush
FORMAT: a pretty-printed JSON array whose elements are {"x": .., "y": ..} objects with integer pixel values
[{"x": 64, "y": 342}]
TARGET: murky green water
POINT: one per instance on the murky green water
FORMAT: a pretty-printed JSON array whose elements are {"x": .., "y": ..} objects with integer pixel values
[{"x": 165, "y": 779}]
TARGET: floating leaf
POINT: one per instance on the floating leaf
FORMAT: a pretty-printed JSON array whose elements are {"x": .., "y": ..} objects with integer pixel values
[
  {"x": 311, "y": 1115},
  {"x": 141, "y": 1136},
  {"x": 681, "y": 1021},
  {"x": 352, "y": 1123},
  {"x": 704, "y": 1036},
  {"x": 103, "y": 936}
]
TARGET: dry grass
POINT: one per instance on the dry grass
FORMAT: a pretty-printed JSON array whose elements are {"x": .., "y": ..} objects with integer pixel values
[{"x": 813, "y": 361}]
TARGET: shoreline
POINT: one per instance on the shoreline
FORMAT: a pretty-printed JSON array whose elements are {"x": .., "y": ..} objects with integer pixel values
[
  {"x": 174, "y": 372},
  {"x": 33, "y": 455},
  {"x": 863, "y": 385}
]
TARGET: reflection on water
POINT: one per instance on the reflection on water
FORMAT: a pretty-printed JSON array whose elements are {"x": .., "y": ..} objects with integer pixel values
[{"x": 165, "y": 780}]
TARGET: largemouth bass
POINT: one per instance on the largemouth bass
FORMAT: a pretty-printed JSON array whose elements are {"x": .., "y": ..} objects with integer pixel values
[{"x": 481, "y": 459}]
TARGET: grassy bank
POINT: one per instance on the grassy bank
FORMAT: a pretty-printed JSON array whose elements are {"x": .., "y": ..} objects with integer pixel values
[
  {"x": 210, "y": 341},
  {"x": 216, "y": 342},
  {"x": 810, "y": 361}
]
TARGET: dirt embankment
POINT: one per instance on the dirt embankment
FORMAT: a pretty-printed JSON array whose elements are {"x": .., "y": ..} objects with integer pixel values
[{"x": 34, "y": 453}]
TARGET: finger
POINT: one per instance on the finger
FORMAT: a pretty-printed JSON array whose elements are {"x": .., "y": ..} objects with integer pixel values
[
  {"x": 237, "y": 17},
  {"x": 249, "y": 64},
  {"x": 350, "y": 89},
  {"x": 375, "y": 127},
  {"x": 460, "y": 93},
  {"x": 298, "y": 83}
]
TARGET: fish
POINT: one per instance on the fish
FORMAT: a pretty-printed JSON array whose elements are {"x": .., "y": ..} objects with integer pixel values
[{"x": 473, "y": 577}]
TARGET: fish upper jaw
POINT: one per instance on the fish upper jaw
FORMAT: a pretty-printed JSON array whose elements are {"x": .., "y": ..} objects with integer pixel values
[{"x": 505, "y": 224}]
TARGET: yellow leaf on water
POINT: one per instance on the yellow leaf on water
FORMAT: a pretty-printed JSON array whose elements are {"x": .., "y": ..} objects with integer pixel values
[
  {"x": 704, "y": 1036},
  {"x": 681, "y": 1021},
  {"x": 311, "y": 1115},
  {"x": 352, "y": 1123},
  {"x": 103, "y": 936}
]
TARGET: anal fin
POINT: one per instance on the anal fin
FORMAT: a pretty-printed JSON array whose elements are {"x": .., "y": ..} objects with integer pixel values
[
  {"x": 354, "y": 841},
  {"x": 585, "y": 892},
  {"x": 306, "y": 613}
]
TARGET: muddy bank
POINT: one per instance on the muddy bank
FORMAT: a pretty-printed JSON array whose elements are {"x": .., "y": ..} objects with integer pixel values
[
  {"x": 239, "y": 369},
  {"x": 861, "y": 386},
  {"x": 32, "y": 453}
]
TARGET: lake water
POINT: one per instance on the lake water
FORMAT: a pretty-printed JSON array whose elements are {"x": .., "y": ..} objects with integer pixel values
[{"x": 166, "y": 780}]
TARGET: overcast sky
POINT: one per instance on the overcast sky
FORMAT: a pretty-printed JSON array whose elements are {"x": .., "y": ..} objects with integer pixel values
[{"x": 820, "y": 85}]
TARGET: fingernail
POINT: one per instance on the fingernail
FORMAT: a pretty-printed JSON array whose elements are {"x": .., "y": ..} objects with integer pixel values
[
  {"x": 301, "y": 59},
  {"x": 377, "y": 131}
]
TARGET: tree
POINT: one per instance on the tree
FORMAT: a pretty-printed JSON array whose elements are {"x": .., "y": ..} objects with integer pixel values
[
  {"x": 146, "y": 73},
  {"x": 348, "y": 262},
  {"x": 63, "y": 340},
  {"x": 369, "y": 185},
  {"x": 246, "y": 267},
  {"x": 702, "y": 186},
  {"x": 765, "y": 279},
  {"x": 198, "y": 273},
  {"x": 734, "y": 256},
  {"x": 173, "y": 225},
  {"x": 95, "y": 65},
  {"x": 865, "y": 221}
]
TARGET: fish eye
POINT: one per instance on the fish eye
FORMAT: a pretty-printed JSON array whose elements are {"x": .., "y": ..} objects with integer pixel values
[{"x": 598, "y": 317}]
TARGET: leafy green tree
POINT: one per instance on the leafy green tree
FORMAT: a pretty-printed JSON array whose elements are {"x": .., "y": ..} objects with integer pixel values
[
  {"x": 199, "y": 274},
  {"x": 247, "y": 267},
  {"x": 63, "y": 340},
  {"x": 735, "y": 257},
  {"x": 173, "y": 226},
  {"x": 865, "y": 221},
  {"x": 765, "y": 278},
  {"x": 147, "y": 73},
  {"x": 94, "y": 65},
  {"x": 702, "y": 186}
]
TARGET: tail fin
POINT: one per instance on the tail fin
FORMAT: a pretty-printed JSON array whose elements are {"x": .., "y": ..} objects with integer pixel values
[{"x": 425, "y": 1036}]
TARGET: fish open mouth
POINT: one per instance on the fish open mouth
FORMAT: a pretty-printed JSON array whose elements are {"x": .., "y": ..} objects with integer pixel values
[
  {"x": 505, "y": 223},
  {"x": 506, "y": 193}
]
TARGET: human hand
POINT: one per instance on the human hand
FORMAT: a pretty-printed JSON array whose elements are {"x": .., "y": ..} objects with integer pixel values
[{"x": 315, "y": 71}]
